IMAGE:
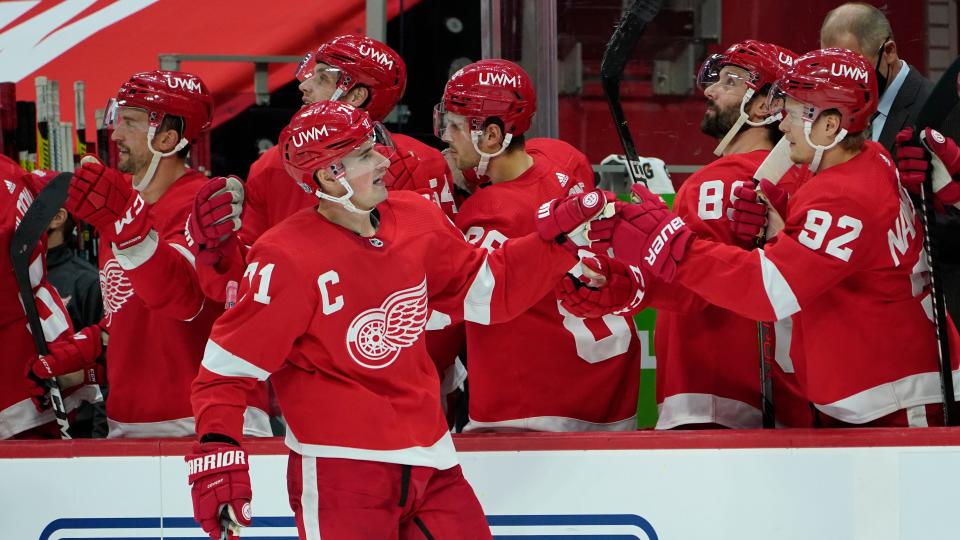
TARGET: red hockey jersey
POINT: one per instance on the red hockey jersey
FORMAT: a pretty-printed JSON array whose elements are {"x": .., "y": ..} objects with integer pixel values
[
  {"x": 336, "y": 321},
  {"x": 17, "y": 412},
  {"x": 849, "y": 267},
  {"x": 708, "y": 367},
  {"x": 159, "y": 321},
  {"x": 562, "y": 155},
  {"x": 546, "y": 370}
]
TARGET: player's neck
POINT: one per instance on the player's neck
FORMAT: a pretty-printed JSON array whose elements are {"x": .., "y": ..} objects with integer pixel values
[
  {"x": 169, "y": 170},
  {"x": 749, "y": 140},
  {"x": 361, "y": 224},
  {"x": 837, "y": 156},
  {"x": 509, "y": 166}
]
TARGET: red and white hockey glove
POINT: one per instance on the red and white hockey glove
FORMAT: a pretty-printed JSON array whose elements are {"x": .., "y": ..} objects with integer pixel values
[
  {"x": 400, "y": 173},
  {"x": 79, "y": 351},
  {"x": 566, "y": 221},
  {"x": 748, "y": 217},
  {"x": 104, "y": 198},
  {"x": 943, "y": 158},
  {"x": 608, "y": 288},
  {"x": 645, "y": 234},
  {"x": 220, "y": 478},
  {"x": 215, "y": 218}
]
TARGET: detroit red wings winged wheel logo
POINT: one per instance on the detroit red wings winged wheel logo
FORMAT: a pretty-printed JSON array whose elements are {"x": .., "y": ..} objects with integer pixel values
[
  {"x": 376, "y": 336},
  {"x": 116, "y": 288}
]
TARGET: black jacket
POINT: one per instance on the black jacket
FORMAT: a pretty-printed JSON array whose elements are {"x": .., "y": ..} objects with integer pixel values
[
  {"x": 78, "y": 283},
  {"x": 906, "y": 106}
]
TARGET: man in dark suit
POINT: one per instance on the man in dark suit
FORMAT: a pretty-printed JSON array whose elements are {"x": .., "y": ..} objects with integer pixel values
[{"x": 864, "y": 29}]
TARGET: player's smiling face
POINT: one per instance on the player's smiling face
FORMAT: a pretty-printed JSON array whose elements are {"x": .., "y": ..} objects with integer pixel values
[{"x": 130, "y": 134}]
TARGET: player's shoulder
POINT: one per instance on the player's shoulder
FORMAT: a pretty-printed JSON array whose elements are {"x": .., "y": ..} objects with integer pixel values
[
  {"x": 410, "y": 202},
  {"x": 550, "y": 147},
  {"x": 730, "y": 168},
  {"x": 290, "y": 236},
  {"x": 865, "y": 185},
  {"x": 269, "y": 161}
]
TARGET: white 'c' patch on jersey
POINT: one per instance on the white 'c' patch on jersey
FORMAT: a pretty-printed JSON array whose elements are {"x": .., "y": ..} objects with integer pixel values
[
  {"x": 376, "y": 336},
  {"x": 115, "y": 286}
]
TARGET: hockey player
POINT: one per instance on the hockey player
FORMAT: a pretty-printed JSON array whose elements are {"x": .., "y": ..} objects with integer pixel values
[
  {"x": 532, "y": 373},
  {"x": 353, "y": 69},
  {"x": 24, "y": 412},
  {"x": 157, "y": 316},
  {"x": 698, "y": 383},
  {"x": 848, "y": 264},
  {"x": 333, "y": 309}
]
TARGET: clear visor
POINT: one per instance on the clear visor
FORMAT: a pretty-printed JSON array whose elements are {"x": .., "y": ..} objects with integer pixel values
[
  {"x": 728, "y": 77},
  {"x": 307, "y": 69},
  {"x": 796, "y": 111},
  {"x": 446, "y": 124},
  {"x": 113, "y": 116},
  {"x": 372, "y": 155}
]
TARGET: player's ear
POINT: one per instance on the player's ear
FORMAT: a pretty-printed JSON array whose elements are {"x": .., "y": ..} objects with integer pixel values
[
  {"x": 757, "y": 108},
  {"x": 324, "y": 179},
  {"x": 58, "y": 220},
  {"x": 493, "y": 135},
  {"x": 357, "y": 96},
  {"x": 165, "y": 141},
  {"x": 831, "y": 124}
]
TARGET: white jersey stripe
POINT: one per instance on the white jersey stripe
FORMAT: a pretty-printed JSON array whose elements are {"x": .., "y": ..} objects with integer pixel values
[
  {"x": 872, "y": 403},
  {"x": 309, "y": 498},
  {"x": 476, "y": 305},
  {"x": 781, "y": 296},
  {"x": 223, "y": 362}
]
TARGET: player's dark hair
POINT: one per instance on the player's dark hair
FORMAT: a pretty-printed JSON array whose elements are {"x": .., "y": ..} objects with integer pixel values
[
  {"x": 175, "y": 123},
  {"x": 516, "y": 143}
]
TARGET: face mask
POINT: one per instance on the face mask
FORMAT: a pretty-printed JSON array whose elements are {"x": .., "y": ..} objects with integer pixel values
[{"x": 881, "y": 78}]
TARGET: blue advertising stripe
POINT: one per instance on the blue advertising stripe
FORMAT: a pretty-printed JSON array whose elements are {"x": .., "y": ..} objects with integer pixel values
[
  {"x": 288, "y": 521},
  {"x": 574, "y": 519}
]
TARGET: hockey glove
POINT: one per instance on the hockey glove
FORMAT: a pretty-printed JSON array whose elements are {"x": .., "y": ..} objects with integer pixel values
[
  {"x": 220, "y": 477},
  {"x": 944, "y": 160},
  {"x": 644, "y": 234},
  {"x": 566, "y": 221},
  {"x": 79, "y": 351},
  {"x": 748, "y": 217},
  {"x": 105, "y": 198},
  {"x": 400, "y": 173},
  {"x": 610, "y": 288},
  {"x": 215, "y": 218}
]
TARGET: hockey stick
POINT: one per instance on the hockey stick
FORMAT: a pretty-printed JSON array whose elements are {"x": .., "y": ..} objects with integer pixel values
[
  {"x": 619, "y": 49},
  {"x": 773, "y": 167},
  {"x": 24, "y": 241},
  {"x": 942, "y": 99}
]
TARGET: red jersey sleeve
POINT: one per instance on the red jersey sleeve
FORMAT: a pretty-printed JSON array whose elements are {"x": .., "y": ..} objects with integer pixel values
[
  {"x": 162, "y": 268},
  {"x": 822, "y": 243},
  {"x": 272, "y": 301},
  {"x": 468, "y": 283}
]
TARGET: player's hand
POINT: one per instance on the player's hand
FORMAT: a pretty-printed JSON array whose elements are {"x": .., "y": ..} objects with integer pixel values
[
  {"x": 79, "y": 351},
  {"x": 644, "y": 234},
  {"x": 104, "y": 198},
  {"x": 756, "y": 206},
  {"x": 566, "y": 220},
  {"x": 220, "y": 478},
  {"x": 606, "y": 286},
  {"x": 214, "y": 218},
  {"x": 935, "y": 153}
]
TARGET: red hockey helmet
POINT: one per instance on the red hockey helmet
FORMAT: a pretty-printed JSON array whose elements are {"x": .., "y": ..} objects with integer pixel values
[
  {"x": 366, "y": 61},
  {"x": 491, "y": 88},
  {"x": 174, "y": 93},
  {"x": 833, "y": 79},
  {"x": 322, "y": 134},
  {"x": 764, "y": 63}
]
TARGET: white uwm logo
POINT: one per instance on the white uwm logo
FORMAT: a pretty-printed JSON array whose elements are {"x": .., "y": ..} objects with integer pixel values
[
  {"x": 379, "y": 56},
  {"x": 843, "y": 70},
  {"x": 313, "y": 134},
  {"x": 50, "y": 32},
  {"x": 190, "y": 85},
  {"x": 499, "y": 79}
]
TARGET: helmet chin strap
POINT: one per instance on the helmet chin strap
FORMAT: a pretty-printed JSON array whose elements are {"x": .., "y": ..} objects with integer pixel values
[
  {"x": 744, "y": 118},
  {"x": 485, "y": 157},
  {"x": 819, "y": 150},
  {"x": 155, "y": 160},
  {"x": 343, "y": 200}
]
